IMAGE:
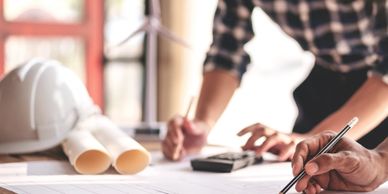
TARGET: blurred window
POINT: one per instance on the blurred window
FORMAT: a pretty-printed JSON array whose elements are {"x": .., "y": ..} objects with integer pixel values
[
  {"x": 124, "y": 70},
  {"x": 20, "y": 49},
  {"x": 64, "y": 11}
]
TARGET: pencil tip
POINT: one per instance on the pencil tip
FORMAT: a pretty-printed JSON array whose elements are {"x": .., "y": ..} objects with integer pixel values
[{"x": 353, "y": 122}]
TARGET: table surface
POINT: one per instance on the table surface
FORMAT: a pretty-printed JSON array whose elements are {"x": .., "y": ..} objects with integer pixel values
[{"x": 50, "y": 172}]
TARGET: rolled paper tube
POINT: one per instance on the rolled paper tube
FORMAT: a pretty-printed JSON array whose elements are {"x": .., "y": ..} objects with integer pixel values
[
  {"x": 85, "y": 153},
  {"x": 129, "y": 157}
]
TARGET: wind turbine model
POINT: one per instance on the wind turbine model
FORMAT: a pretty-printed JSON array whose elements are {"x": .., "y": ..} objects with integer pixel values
[{"x": 152, "y": 26}]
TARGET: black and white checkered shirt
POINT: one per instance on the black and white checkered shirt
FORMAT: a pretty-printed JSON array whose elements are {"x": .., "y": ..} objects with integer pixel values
[{"x": 343, "y": 35}]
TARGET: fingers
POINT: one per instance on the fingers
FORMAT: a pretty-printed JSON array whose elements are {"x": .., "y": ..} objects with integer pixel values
[
  {"x": 171, "y": 151},
  {"x": 300, "y": 156},
  {"x": 275, "y": 142},
  {"x": 318, "y": 187},
  {"x": 308, "y": 148},
  {"x": 277, "y": 139},
  {"x": 297, "y": 164},
  {"x": 308, "y": 185},
  {"x": 258, "y": 130},
  {"x": 312, "y": 187},
  {"x": 267, "y": 144},
  {"x": 323, "y": 181},
  {"x": 250, "y": 144},
  {"x": 287, "y": 152},
  {"x": 302, "y": 184},
  {"x": 343, "y": 162},
  {"x": 172, "y": 145},
  {"x": 189, "y": 127}
]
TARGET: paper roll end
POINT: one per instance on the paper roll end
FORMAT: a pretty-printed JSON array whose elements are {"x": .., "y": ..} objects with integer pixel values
[
  {"x": 132, "y": 161},
  {"x": 92, "y": 162}
]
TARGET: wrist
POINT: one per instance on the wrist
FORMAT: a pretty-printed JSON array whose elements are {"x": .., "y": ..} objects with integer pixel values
[
  {"x": 206, "y": 123},
  {"x": 382, "y": 157},
  {"x": 382, "y": 150}
]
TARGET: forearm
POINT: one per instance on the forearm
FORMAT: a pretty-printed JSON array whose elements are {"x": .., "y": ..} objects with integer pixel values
[
  {"x": 217, "y": 89},
  {"x": 369, "y": 104}
]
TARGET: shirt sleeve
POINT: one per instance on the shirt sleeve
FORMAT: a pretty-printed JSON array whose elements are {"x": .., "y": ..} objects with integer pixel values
[
  {"x": 232, "y": 28},
  {"x": 381, "y": 26}
]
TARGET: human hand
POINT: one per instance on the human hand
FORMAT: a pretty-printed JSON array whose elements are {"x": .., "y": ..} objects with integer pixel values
[
  {"x": 350, "y": 166},
  {"x": 276, "y": 142},
  {"x": 184, "y": 137}
]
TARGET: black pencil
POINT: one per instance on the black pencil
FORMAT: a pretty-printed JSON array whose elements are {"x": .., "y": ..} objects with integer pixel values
[{"x": 325, "y": 149}]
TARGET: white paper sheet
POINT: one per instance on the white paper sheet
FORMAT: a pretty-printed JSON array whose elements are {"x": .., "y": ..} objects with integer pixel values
[{"x": 161, "y": 177}]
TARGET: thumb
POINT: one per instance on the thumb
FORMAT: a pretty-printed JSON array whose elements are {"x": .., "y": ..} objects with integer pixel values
[{"x": 343, "y": 162}]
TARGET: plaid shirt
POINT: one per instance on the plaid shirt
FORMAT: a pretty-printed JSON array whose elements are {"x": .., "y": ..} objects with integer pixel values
[{"x": 344, "y": 35}]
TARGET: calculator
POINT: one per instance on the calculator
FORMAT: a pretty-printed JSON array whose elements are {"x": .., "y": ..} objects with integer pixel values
[{"x": 225, "y": 162}]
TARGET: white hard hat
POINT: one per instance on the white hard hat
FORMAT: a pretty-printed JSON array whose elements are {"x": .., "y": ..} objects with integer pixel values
[{"x": 40, "y": 102}]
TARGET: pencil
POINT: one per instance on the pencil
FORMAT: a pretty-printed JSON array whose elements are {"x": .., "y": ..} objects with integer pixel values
[
  {"x": 325, "y": 149},
  {"x": 185, "y": 117},
  {"x": 189, "y": 107}
]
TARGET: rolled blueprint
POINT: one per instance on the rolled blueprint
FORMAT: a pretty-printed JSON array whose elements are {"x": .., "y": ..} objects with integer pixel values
[
  {"x": 128, "y": 156},
  {"x": 85, "y": 153}
]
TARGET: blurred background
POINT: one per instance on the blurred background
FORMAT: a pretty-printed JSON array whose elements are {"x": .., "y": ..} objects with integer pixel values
[{"x": 83, "y": 35}]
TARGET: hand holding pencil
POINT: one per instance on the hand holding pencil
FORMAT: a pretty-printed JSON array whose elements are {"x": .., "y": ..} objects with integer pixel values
[
  {"x": 348, "y": 167},
  {"x": 184, "y": 136}
]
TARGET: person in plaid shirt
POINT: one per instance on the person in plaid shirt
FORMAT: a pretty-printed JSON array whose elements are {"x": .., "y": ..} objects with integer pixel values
[{"x": 349, "y": 39}]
